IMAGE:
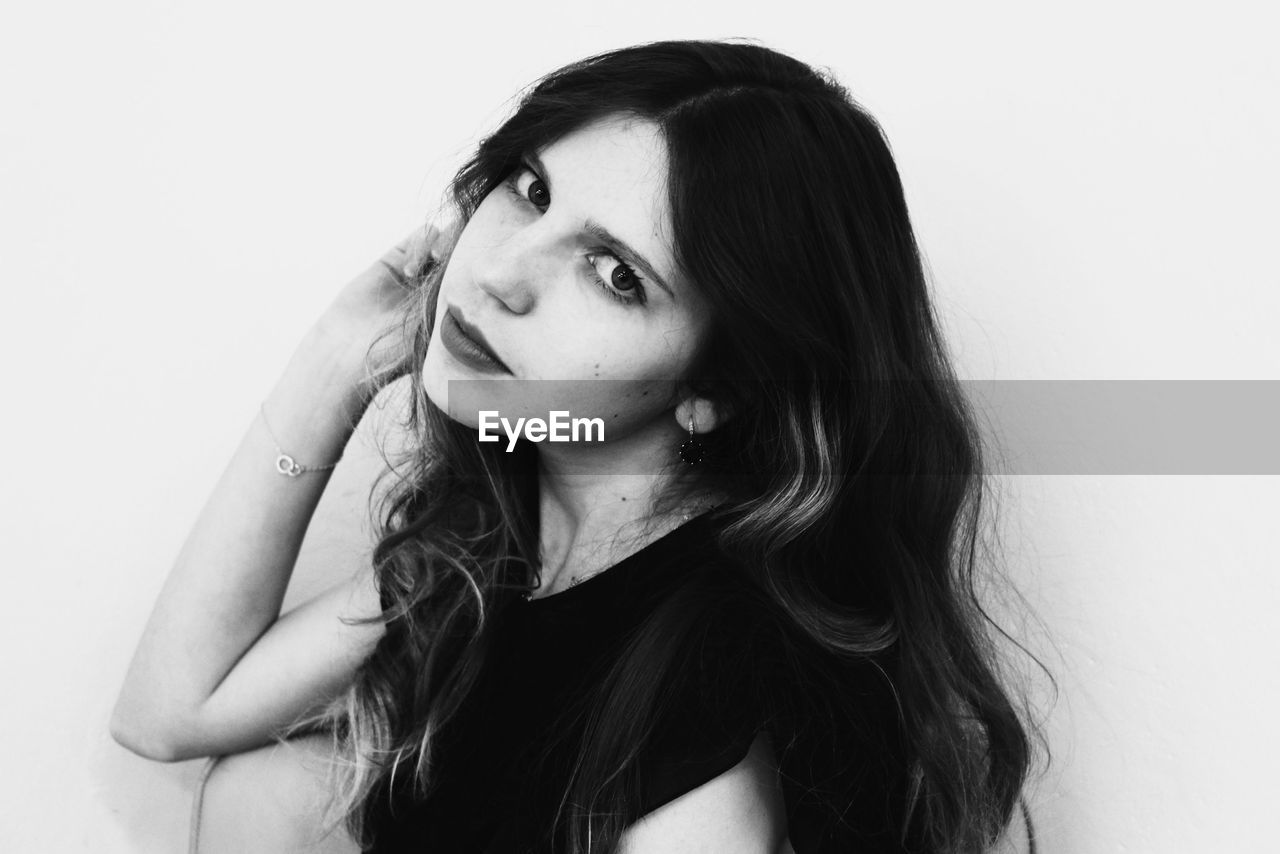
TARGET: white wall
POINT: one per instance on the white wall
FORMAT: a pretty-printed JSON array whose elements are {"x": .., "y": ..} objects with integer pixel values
[{"x": 183, "y": 188}]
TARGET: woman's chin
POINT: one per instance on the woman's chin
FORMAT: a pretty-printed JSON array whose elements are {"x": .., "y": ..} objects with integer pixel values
[
  {"x": 437, "y": 375},
  {"x": 448, "y": 388}
]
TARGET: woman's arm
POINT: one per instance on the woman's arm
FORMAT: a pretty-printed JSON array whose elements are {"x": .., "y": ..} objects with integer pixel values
[
  {"x": 738, "y": 812},
  {"x": 215, "y": 670}
]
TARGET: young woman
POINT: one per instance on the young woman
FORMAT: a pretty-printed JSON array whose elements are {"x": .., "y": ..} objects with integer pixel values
[{"x": 742, "y": 620}]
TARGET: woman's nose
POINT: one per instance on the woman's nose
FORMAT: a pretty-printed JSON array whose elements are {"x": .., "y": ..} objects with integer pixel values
[{"x": 516, "y": 266}]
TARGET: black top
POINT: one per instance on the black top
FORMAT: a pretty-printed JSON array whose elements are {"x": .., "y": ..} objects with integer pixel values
[{"x": 506, "y": 758}]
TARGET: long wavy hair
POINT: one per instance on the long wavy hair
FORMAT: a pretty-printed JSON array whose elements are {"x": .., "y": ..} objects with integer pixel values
[{"x": 850, "y": 436}]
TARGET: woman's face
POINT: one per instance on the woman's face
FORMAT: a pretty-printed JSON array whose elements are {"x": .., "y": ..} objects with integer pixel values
[{"x": 567, "y": 271}]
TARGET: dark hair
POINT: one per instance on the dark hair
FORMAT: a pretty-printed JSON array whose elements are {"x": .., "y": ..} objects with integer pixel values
[{"x": 850, "y": 436}]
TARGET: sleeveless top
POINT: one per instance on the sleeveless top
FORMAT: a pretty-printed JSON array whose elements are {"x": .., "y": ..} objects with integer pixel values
[{"x": 506, "y": 758}]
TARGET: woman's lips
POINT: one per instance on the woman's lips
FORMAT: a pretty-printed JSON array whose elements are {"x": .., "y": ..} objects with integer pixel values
[{"x": 467, "y": 344}]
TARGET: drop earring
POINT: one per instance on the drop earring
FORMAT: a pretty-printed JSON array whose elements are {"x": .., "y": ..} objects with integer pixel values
[{"x": 692, "y": 450}]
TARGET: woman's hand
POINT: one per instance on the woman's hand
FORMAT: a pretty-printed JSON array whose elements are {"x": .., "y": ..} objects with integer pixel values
[{"x": 373, "y": 302}]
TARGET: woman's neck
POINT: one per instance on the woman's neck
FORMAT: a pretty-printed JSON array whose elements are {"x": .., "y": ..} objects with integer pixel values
[{"x": 587, "y": 523}]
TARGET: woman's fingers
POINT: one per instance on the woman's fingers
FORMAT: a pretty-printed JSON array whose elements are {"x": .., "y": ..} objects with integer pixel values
[
  {"x": 421, "y": 242},
  {"x": 409, "y": 259}
]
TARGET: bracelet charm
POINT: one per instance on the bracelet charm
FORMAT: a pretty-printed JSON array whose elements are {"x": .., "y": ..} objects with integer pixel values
[{"x": 286, "y": 465}]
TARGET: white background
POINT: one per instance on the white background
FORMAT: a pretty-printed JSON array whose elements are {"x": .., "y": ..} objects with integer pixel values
[{"x": 183, "y": 188}]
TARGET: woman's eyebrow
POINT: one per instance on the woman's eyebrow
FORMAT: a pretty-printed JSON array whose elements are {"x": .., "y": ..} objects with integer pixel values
[
  {"x": 599, "y": 232},
  {"x": 631, "y": 256}
]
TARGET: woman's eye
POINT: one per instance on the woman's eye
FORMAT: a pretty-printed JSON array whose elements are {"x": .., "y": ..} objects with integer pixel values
[
  {"x": 526, "y": 186},
  {"x": 614, "y": 277},
  {"x": 617, "y": 279}
]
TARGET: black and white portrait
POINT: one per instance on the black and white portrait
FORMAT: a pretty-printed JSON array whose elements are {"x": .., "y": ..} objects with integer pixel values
[{"x": 639, "y": 430}]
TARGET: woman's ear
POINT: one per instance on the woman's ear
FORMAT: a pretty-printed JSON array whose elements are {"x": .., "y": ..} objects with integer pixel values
[{"x": 706, "y": 414}]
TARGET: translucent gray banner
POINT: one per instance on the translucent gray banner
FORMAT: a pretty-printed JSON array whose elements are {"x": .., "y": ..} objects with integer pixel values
[
  {"x": 1030, "y": 427},
  {"x": 1142, "y": 427}
]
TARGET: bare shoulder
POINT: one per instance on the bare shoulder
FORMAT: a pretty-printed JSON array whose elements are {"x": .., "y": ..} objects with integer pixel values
[{"x": 739, "y": 812}]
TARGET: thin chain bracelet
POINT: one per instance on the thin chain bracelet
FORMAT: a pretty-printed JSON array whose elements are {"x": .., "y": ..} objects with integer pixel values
[{"x": 286, "y": 464}]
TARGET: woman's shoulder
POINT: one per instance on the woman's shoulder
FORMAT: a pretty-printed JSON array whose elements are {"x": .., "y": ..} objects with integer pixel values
[
  {"x": 747, "y": 668},
  {"x": 744, "y": 658},
  {"x": 741, "y": 662}
]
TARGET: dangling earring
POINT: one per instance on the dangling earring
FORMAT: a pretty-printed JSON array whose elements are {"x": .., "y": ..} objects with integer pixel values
[{"x": 692, "y": 450}]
